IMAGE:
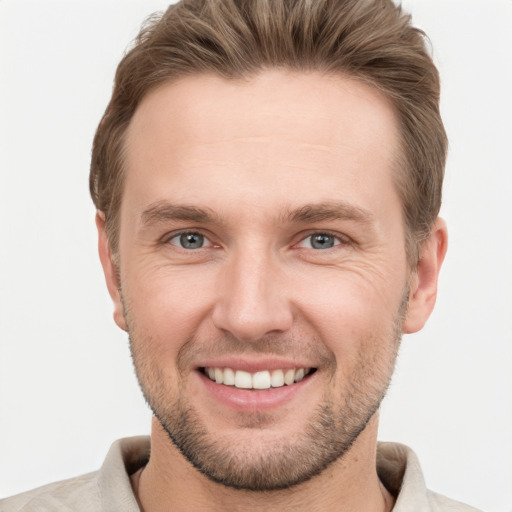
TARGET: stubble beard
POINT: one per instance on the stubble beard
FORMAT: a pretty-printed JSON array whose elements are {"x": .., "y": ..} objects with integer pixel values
[{"x": 328, "y": 435}]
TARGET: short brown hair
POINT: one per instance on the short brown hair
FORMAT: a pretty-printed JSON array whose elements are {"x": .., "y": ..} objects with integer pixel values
[{"x": 371, "y": 40}]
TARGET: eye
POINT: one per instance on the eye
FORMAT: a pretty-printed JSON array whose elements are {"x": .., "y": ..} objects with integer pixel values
[
  {"x": 320, "y": 241},
  {"x": 190, "y": 241}
]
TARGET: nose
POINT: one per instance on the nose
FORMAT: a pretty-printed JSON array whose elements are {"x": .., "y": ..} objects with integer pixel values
[{"x": 252, "y": 299}]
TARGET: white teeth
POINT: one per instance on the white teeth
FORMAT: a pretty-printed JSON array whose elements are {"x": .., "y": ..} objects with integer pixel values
[
  {"x": 289, "y": 377},
  {"x": 243, "y": 380},
  {"x": 299, "y": 375},
  {"x": 219, "y": 376},
  {"x": 259, "y": 380},
  {"x": 277, "y": 378},
  {"x": 229, "y": 377}
]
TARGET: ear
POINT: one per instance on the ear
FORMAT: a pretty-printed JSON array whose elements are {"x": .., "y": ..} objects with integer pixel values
[
  {"x": 110, "y": 271},
  {"x": 423, "y": 287}
]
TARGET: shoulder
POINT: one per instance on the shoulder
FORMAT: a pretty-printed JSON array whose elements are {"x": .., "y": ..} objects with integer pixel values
[
  {"x": 78, "y": 494},
  {"x": 108, "y": 489},
  {"x": 400, "y": 471},
  {"x": 440, "y": 503}
]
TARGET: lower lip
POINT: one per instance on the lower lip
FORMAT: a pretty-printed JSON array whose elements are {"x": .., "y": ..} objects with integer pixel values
[{"x": 254, "y": 400}]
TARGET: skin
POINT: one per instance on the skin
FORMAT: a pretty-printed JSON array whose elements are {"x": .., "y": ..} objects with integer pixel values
[{"x": 253, "y": 154}]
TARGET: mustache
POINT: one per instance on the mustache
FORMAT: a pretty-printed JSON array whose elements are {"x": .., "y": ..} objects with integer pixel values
[
  {"x": 270, "y": 345},
  {"x": 273, "y": 344}
]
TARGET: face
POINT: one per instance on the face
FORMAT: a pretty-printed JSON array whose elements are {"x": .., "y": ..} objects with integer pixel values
[{"x": 262, "y": 269}]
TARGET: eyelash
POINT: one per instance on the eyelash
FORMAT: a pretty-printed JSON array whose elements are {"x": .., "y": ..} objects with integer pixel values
[
  {"x": 339, "y": 239},
  {"x": 167, "y": 238}
]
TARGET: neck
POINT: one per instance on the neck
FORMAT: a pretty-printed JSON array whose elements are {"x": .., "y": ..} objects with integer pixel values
[{"x": 169, "y": 482}]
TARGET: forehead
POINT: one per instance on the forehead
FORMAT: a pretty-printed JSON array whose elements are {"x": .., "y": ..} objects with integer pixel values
[{"x": 294, "y": 135}]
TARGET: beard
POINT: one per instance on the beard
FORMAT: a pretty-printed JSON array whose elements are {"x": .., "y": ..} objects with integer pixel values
[{"x": 260, "y": 461}]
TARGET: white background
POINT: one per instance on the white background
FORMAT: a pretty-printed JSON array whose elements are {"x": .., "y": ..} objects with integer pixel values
[{"x": 67, "y": 388}]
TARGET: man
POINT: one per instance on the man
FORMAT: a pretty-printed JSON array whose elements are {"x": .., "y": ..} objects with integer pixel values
[{"x": 268, "y": 180}]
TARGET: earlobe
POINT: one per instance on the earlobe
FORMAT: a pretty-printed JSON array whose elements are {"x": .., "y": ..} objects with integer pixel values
[
  {"x": 423, "y": 287},
  {"x": 110, "y": 271}
]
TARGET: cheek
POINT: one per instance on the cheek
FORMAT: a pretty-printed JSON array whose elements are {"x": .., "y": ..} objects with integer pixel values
[
  {"x": 166, "y": 307},
  {"x": 351, "y": 312}
]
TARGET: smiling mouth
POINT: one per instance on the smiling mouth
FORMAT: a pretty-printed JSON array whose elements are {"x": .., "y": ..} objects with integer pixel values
[{"x": 265, "y": 379}]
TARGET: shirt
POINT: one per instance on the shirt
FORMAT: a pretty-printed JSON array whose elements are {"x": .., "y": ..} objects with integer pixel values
[{"x": 110, "y": 490}]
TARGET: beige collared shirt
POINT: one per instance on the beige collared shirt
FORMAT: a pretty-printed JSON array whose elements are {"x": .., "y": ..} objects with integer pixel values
[{"x": 109, "y": 489}]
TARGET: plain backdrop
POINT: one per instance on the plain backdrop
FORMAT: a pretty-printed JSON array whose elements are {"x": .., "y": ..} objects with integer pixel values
[{"x": 67, "y": 387}]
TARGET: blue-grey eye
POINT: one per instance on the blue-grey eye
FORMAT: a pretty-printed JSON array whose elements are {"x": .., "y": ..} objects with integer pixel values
[
  {"x": 189, "y": 240},
  {"x": 322, "y": 241}
]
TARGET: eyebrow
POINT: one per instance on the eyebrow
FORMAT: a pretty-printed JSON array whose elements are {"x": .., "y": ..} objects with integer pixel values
[
  {"x": 318, "y": 212},
  {"x": 163, "y": 211}
]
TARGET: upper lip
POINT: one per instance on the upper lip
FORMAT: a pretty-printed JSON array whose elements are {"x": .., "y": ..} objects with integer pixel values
[{"x": 253, "y": 365}]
